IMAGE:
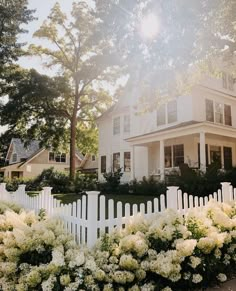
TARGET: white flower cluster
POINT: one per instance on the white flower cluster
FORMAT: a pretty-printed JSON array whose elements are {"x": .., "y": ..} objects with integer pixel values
[
  {"x": 37, "y": 255},
  {"x": 165, "y": 253}
]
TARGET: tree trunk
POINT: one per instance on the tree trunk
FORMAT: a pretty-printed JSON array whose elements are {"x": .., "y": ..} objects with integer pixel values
[
  {"x": 73, "y": 132},
  {"x": 72, "y": 147}
]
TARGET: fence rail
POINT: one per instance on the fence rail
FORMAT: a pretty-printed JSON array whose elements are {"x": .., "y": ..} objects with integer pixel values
[{"x": 88, "y": 218}]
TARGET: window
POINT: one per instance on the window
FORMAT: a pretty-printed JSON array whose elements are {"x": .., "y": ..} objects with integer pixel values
[
  {"x": 127, "y": 164},
  {"x": 116, "y": 161},
  {"x": 227, "y": 112},
  {"x": 161, "y": 115},
  {"x": 178, "y": 151},
  {"x": 230, "y": 82},
  {"x": 218, "y": 112},
  {"x": 209, "y": 110},
  {"x": 93, "y": 158},
  {"x": 224, "y": 80},
  {"x": 57, "y": 157},
  {"x": 116, "y": 125},
  {"x": 227, "y": 157},
  {"x": 172, "y": 111},
  {"x": 126, "y": 124},
  {"x": 14, "y": 157},
  {"x": 215, "y": 154},
  {"x": 103, "y": 164},
  {"x": 51, "y": 156}
]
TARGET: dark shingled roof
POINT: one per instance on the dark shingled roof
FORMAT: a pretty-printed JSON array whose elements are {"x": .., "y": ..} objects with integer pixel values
[{"x": 24, "y": 152}]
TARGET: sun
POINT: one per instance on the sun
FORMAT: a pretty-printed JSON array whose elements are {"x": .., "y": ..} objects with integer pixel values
[{"x": 149, "y": 26}]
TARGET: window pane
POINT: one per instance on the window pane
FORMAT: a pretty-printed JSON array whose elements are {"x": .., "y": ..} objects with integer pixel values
[
  {"x": 161, "y": 115},
  {"x": 51, "y": 156},
  {"x": 178, "y": 151},
  {"x": 116, "y": 125},
  {"x": 58, "y": 158},
  {"x": 172, "y": 111},
  {"x": 116, "y": 162},
  {"x": 63, "y": 157},
  {"x": 103, "y": 164},
  {"x": 209, "y": 110},
  {"x": 14, "y": 158},
  {"x": 168, "y": 157},
  {"x": 215, "y": 154},
  {"x": 126, "y": 123},
  {"x": 227, "y": 158},
  {"x": 228, "y": 118},
  {"x": 219, "y": 113},
  {"x": 127, "y": 164}
]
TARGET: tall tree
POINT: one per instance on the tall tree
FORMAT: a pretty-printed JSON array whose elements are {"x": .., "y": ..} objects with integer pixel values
[
  {"x": 85, "y": 59},
  {"x": 188, "y": 32},
  {"x": 13, "y": 14}
]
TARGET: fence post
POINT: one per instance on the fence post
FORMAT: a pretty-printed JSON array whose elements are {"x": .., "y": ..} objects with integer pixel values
[
  {"x": 47, "y": 200},
  {"x": 226, "y": 191},
  {"x": 92, "y": 217},
  {"x": 172, "y": 197}
]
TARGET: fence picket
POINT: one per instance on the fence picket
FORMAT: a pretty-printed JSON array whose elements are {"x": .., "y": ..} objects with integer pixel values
[{"x": 81, "y": 218}]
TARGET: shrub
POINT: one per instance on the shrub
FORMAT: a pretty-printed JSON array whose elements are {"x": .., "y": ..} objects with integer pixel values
[
  {"x": 112, "y": 181},
  {"x": 85, "y": 182},
  {"x": 38, "y": 255},
  {"x": 170, "y": 252}
]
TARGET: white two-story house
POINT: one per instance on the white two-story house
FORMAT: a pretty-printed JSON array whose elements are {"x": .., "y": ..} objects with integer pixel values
[{"x": 196, "y": 129}]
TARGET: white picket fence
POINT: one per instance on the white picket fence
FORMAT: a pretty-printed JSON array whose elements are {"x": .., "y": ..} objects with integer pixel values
[{"x": 90, "y": 217}]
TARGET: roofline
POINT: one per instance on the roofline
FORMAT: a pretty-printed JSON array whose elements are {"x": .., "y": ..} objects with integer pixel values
[
  {"x": 32, "y": 157},
  {"x": 8, "y": 150},
  {"x": 3, "y": 168},
  {"x": 202, "y": 124}
]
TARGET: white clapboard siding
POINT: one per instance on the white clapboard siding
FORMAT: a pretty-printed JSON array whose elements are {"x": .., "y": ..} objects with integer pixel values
[{"x": 92, "y": 216}]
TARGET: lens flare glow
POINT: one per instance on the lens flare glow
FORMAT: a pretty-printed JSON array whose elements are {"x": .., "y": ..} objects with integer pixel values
[{"x": 149, "y": 26}]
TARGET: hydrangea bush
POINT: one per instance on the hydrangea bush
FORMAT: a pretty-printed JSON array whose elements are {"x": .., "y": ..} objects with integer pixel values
[
  {"x": 36, "y": 254},
  {"x": 171, "y": 251},
  {"x": 168, "y": 252}
]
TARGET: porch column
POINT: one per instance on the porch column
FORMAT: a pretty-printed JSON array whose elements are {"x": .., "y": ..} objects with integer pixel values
[
  {"x": 202, "y": 151},
  {"x": 162, "y": 160},
  {"x": 132, "y": 171}
]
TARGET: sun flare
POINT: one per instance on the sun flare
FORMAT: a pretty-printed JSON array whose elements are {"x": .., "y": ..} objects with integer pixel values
[{"x": 149, "y": 26}]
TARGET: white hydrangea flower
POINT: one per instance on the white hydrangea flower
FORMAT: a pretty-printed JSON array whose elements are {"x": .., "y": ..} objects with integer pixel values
[
  {"x": 128, "y": 262},
  {"x": 221, "y": 277},
  {"x": 197, "y": 278},
  {"x": 186, "y": 247},
  {"x": 194, "y": 261}
]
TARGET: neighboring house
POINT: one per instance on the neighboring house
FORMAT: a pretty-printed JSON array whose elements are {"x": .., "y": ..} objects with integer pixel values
[
  {"x": 30, "y": 161},
  {"x": 196, "y": 129}
]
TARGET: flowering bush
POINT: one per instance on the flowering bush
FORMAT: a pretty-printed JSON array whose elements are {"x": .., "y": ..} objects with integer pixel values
[
  {"x": 37, "y": 255},
  {"x": 170, "y": 252}
]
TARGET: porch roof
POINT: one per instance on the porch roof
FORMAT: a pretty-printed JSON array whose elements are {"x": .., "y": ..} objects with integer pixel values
[{"x": 183, "y": 129}]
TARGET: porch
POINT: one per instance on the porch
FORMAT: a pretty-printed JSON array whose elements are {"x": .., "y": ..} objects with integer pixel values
[{"x": 197, "y": 145}]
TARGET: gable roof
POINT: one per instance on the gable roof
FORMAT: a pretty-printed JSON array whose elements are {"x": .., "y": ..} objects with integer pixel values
[{"x": 22, "y": 151}]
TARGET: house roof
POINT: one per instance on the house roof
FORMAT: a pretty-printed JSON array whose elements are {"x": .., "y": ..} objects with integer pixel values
[
  {"x": 22, "y": 151},
  {"x": 180, "y": 125}
]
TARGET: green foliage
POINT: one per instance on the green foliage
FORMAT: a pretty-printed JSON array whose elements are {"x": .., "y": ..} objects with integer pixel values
[
  {"x": 85, "y": 182},
  {"x": 13, "y": 14},
  {"x": 112, "y": 180}
]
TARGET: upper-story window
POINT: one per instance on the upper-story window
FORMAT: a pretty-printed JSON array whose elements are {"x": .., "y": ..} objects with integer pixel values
[
  {"x": 14, "y": 157},
  {"x": 218, "y": 112},
  {"x": 126, "y": 123},
  {"x": 172, "y": 111},
  {"x": 93, "y": 158},
  {"x": 227, "y": 81},
  {"x": 57, "y": 157},
  {"x": 161, "y": 115},
  {"x": 116, "y": 125},
  {"x": 167, "y": 113}
]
